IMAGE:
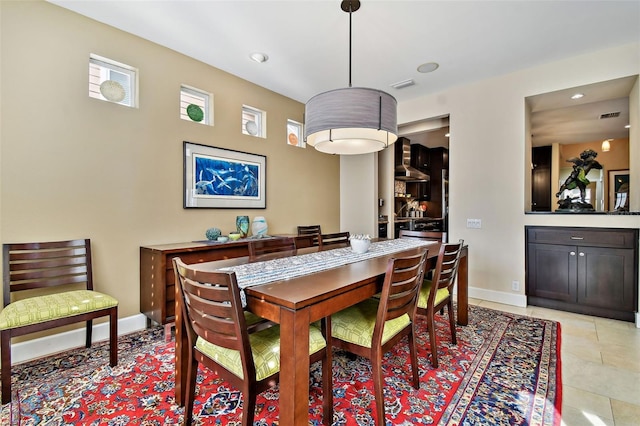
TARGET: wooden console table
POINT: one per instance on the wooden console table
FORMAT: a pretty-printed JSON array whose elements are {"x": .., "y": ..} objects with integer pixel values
[{"x": 157, "y": 281}]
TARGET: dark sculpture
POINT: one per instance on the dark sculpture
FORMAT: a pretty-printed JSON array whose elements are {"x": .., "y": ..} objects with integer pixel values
[{"x": 578, "y": 179}]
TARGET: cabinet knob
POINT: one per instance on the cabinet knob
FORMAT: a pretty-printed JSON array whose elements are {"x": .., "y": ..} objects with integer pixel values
[
  {"x": 572, "y": 253},
  {"x": 582, "y": 254}
]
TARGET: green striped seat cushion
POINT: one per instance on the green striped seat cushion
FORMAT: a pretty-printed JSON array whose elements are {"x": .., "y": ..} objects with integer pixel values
[
  {"x": 38, "y": 309},
  {"x": 441, "y": 295},
  {"x": 355, "y": 324},
  {"x": 265, "y": 348}
]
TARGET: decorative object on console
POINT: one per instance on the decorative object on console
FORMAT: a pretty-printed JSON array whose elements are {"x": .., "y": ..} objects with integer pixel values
[
  {"x": 259, "y": 227},
  {"x": 222, "y": 239},
  {"x": 351, "y": 120},
  {"x": 195, "y": 112},
  {"x": 213, "y": 234},
  {"x": 578, "y": 180},
  {"x": 360, "y": 243},
  {"x": 234, "y": 236},
  {"x": 112, "y": 91},
  {"x": 242, "y": 225}
]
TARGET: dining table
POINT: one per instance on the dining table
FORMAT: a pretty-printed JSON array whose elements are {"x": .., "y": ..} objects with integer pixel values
[{"x": 299, "y": 287}]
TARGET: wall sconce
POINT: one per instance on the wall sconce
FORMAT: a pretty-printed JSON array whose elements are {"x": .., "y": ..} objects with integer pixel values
[{"x": 606, "y": 146}]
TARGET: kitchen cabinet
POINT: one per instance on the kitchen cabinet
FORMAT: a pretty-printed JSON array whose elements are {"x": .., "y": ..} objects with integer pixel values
[
  {"x": 592, "y": 271},
  {"x": 420, "y": 157},
  {"x": 439, "y": 183}
]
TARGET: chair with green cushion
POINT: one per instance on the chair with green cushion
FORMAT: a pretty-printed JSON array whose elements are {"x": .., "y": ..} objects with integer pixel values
[
  {"x": 218, "y": 339},
  {"x": 372, "y": 327},
  {"x": 334, "y": 240},
  {"x": 314, "y": 230},
  {"x": 51, "y": 284},
  {"x": 429, "y": 302}
]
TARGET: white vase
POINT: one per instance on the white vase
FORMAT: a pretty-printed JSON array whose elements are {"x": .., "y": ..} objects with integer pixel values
[{"x": 259, "y": 226}]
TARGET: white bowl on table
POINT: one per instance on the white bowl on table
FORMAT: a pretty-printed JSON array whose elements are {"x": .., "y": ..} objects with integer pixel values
[{"x": 360, "y": 246}]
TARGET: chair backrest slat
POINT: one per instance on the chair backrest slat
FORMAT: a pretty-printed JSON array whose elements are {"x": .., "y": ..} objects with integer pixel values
[
  {"x": 271, "y": 245},
  {"x": 400, "y": 290},
  {"x": 212, "y": 309},
  {"x": 314, "y": 230},
  {"x": 446, "y": 270},
  {"x": 424, "y": 235},
  {"x": 335, "y": 239},
  {"x": 29, "y": 266}
]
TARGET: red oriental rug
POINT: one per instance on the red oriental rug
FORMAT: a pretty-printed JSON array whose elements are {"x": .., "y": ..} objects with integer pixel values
[{"x": 505, "y": 370}]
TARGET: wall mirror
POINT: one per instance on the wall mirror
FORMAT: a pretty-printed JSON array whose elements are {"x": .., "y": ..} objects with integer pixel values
[{"x": 565, "y": 123}]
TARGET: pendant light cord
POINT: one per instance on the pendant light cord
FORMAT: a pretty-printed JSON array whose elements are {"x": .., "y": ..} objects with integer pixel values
[{"x": 350, "y": 10}]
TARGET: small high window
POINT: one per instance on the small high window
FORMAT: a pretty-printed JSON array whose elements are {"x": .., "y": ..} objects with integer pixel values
[
  {"x": 254, "y": 122},
  {"x": 196, "y": 105},
  {"x": 112, "y": 81},
  {"x": 294, "y": 134}
]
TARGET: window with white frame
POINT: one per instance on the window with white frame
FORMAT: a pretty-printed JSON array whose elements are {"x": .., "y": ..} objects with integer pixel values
[
  {"x": 196, "y": 105},
  {"x": 294, "y": 134},
  {"x": 112, "y": 81},
  {"x": 254, "y": 122}
]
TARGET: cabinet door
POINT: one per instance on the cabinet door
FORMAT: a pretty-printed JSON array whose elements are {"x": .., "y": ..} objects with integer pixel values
[
  {"x": 606, "y": 278},
  {"x": 552, "y": 272}
]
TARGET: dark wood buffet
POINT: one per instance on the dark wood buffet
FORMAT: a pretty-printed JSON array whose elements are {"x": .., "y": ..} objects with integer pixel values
[
  {"x": 592, "y": 271},
  {"x": 157, "y": 281}
]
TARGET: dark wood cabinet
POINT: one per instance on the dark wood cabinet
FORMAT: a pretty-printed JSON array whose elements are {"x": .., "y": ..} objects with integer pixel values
[
  {"x": 420, "y": 157},
  {"x": 157, "y": 281},
  {"x": 438, "y": 185},
  {"x": 592, "y": 271}
]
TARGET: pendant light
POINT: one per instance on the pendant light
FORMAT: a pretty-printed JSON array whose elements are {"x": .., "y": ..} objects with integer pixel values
[{"x": 352, "y": 120}]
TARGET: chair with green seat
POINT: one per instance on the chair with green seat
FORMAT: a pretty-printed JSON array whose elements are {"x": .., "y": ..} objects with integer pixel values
[
  {"x": 57, "y": 279},
  {"x": 334, "y": 240},
  {"x": 218, "y": 339},
  {"x": 372, "y": 327},
  {"x": 437, "y": 293}
]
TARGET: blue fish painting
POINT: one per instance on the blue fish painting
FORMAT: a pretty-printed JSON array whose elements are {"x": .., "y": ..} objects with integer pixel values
[{"x": 215, "y": 176}]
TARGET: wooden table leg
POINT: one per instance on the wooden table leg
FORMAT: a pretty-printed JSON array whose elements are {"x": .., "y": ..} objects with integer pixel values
[
  {"x": 294, "y": 367},
  {"x": 463, "y": 287}
]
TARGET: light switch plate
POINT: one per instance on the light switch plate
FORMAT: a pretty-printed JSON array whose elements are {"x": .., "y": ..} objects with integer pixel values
[{"x": 474, "y": 223}]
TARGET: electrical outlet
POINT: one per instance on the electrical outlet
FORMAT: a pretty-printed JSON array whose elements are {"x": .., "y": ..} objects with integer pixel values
[
  {"x": 515, "y": 285},
  {"x": 474, "y": 223}
]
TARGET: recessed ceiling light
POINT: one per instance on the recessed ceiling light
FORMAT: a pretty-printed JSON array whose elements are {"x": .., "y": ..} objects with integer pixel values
[
  {"x": 428, "y": 67},
  {"x": 628, "y": 126},
  {"x": 259, "y": 57},
  {"x": 577, "y": 96},
  {"x": 446, "y": 135}
]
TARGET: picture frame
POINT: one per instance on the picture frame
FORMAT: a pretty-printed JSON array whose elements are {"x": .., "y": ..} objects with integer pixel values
[
  {"x": 619, "y": 190},
  {"x": 220, "y": 178}
]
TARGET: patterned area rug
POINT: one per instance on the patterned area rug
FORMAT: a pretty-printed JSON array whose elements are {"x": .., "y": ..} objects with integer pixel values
[{"x": 505, "y": 370}]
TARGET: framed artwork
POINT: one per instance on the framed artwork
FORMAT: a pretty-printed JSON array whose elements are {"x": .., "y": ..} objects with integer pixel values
[
  {"x": 219, "y": 178},
  {"x": 618, "y": 190},
  {"x": 294, "y": 134}
]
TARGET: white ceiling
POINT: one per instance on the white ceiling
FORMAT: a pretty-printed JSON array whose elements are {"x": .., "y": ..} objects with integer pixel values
[{"x": 307, "y": 41}]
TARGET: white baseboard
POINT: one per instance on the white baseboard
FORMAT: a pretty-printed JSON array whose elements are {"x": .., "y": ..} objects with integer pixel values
[
  {"x": 48, "y": 345},
  {"x": 519, "y": 300}
]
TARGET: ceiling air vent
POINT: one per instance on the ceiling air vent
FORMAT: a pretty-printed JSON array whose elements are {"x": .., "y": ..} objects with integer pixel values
[{"x": 610, "y": 115}]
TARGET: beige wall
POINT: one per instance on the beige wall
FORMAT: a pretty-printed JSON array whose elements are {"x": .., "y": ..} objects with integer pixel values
[
  {"x": 490, "y": 159},
  {"x": 75, "y": 167}
]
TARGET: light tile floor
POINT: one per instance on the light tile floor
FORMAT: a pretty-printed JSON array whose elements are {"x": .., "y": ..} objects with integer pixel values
[{"x": 600, "y": 366}]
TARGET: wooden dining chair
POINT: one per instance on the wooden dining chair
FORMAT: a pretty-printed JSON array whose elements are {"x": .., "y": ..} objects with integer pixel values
[
  {"x": 372, "y": 327},
  {"x": 218, "y": 339},
  {"x": 424, "y": 235},
  {"x": 63, "y": 270},
  {"x": 271, "y": 245},
  {"x": 337, "y": 239},
  {"x": 314, "y": 230},
  {"x": 437, "y": 293}
]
